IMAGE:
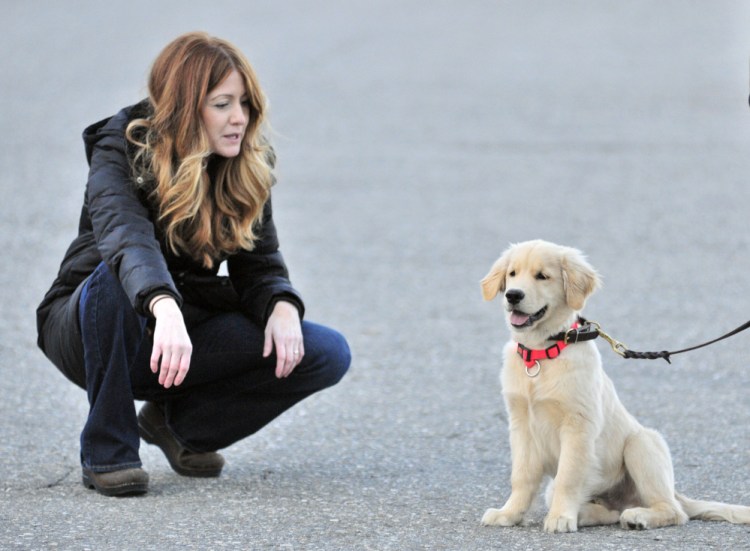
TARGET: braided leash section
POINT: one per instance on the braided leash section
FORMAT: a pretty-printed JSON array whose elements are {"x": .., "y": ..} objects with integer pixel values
[
  {"x": 623, "y": 351},
  {"x": 633, "y": 355}
]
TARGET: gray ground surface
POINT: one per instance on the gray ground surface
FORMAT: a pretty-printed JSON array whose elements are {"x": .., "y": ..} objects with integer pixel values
[{"x": 416, "y": 140}]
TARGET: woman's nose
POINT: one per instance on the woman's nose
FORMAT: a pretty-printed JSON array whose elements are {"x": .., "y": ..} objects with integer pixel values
[{"x": 238, "y": 115}]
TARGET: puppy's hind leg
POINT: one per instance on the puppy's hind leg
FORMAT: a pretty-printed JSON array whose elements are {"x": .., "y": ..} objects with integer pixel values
[
  {"x": 649, "y": 464},
  {"x": 594, "y": 514}
]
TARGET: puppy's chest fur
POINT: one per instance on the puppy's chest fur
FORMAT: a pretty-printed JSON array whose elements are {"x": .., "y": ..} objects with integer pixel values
[{"x": 566, "y": 392}]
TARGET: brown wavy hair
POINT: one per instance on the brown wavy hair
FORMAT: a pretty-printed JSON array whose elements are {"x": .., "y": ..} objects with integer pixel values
[{"x": 205, "y": 218}]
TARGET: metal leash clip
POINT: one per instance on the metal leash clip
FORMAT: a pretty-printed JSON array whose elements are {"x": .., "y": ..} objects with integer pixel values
[{"x": 616, "y": 345}]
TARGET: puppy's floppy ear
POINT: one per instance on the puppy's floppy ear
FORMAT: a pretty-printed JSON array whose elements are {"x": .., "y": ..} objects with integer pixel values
[
  {"x": 580, "y": 280},
  {"x": 494, "y": 282}
]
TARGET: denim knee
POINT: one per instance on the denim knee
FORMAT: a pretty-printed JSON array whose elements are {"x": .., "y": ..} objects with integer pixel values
[
  {"x": 342, "y": 358},
  {"x": 330, "y": 351},
  {"x": 106, "y": 316},
  {"x": 111, "y": 290}
]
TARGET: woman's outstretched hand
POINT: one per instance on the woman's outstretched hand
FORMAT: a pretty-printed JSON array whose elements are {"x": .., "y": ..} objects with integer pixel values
[
  {"x": 171, "y": 342},
  {"x": 284, "y": 333}
]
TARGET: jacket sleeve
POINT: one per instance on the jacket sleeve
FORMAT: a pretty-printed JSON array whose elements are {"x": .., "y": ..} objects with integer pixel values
[
  {"x": 122, "y": 225},
  {"x": 260, "y": 276}
]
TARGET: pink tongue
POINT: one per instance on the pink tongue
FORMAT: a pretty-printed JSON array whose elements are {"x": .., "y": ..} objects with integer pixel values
[{"x": 516, "y": 318}]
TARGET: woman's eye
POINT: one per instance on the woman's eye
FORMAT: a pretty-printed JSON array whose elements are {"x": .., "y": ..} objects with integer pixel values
[
  {"x": 221, "y": 105},
  {"x": 541, "y": 276}
]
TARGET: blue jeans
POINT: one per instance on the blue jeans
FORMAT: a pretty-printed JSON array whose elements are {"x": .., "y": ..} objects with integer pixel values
[{"x": 230, "y": 391}]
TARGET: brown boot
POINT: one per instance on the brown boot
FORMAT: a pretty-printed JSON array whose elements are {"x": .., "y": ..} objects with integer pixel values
[
  {"x": 117, "y": 483},
  {"x": 153, "y": 429}
]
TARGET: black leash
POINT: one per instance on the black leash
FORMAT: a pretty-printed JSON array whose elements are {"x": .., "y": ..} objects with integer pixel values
[{"x": 589, "y": 330}]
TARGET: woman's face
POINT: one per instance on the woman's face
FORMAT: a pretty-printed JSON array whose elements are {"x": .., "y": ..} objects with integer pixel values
[{"x": 225, "y": 114}]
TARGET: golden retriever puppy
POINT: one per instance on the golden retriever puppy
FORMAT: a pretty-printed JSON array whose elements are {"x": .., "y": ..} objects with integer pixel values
[{"x": 565, "y": 419}]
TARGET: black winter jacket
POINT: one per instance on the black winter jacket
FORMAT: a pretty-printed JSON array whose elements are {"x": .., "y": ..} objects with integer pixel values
[{"x": 117, "y": 226}]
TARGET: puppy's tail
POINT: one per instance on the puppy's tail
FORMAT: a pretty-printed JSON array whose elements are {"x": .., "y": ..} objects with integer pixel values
[{"x": 713, "y": 510}]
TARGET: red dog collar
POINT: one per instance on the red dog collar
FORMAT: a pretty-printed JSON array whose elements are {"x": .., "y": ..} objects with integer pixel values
[{"x": 531, "y": 357}]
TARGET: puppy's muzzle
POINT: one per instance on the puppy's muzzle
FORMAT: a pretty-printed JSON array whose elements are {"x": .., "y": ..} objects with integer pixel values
[{"x": 514, "y": 296}]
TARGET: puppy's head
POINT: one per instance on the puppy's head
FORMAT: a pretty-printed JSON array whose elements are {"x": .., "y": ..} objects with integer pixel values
[{"x": 543, "y": 285}]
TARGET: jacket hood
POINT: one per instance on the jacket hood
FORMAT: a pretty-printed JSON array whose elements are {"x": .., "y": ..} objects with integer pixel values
[{"x": 114, "y": 125}]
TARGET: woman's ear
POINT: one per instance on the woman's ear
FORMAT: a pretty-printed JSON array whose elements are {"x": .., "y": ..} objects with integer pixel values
[
  {"x": 494, "y": 282},
  {"x": 580, "y": 280}
]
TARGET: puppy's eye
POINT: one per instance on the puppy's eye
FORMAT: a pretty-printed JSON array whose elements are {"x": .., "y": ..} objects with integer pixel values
[
  {"x": 540, "y": 276},
  {"x": 512, "y": 273}
]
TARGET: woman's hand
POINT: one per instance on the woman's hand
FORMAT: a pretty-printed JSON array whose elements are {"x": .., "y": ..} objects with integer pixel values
[
  {"x": 284, "y": 332},
  {"x": 171, "y": 342}
]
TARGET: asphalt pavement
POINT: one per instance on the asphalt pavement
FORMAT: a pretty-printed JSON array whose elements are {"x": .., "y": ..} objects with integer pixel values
[{"x": 416, "y": 140}]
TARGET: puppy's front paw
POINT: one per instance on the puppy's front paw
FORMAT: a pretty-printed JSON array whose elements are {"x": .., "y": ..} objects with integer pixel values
[
  {"x": 501, "y": 517},
  {"x": 560, "y": 523}
]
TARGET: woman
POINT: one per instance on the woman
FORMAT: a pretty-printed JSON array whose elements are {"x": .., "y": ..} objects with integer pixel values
[{"x": 178, "y": 184}]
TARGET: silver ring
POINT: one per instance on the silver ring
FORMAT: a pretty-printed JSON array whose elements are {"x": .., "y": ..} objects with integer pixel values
[{"x": 534, "y": 370}]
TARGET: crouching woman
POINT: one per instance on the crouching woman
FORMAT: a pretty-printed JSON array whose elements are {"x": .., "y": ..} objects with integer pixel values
[{"x": 178, "y": 184}]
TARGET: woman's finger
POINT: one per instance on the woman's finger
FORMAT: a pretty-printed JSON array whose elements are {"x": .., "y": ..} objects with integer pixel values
[
  {"x": 155, "y": 355},
  {"x": 166, "y": 358},
  {"x": 183, "y": 369}
]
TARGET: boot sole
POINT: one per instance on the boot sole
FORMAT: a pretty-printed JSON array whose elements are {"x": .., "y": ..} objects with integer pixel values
[{"x": 131, "y": 488}]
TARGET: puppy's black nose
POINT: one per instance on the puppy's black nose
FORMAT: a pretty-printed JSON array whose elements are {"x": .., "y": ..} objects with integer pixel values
[{"x": 514, "y": 296}]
